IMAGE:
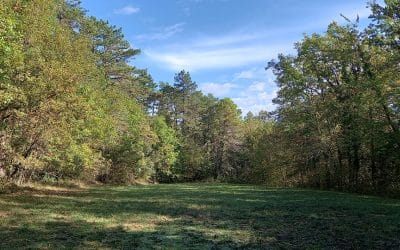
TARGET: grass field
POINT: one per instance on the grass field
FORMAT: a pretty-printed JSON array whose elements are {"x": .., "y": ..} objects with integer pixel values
[{"x": 196, "y": 216}]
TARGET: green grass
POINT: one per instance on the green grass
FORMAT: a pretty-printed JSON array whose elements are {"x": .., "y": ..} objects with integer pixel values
[{"x": 196, "y": 216}]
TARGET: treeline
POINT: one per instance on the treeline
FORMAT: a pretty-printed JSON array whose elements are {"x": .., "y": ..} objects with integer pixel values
[
  {"x": 73, "y": 107},
  {"x": 339, "y": 106}
]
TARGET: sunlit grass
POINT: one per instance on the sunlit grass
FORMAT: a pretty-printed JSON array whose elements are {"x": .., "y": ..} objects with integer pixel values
[{"x": 195, "y": 216}]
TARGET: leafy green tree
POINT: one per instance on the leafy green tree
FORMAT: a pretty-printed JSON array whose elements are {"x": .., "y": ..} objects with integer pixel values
[
  {"x": 331, "y": 100},
  {"x": 165, "y": 150},
  {"x": 12, "y": 96},
  {"x": 225, "y": 138}
]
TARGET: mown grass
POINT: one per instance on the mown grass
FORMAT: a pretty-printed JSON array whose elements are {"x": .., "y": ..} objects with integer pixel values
[{"x": 196, "y": 216}]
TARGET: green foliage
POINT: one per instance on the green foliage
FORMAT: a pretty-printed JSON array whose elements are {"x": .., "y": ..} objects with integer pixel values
[
  {"x": 165, "y": 151},
  {"x": 258, "y": 143},
  {"x": 209, "y": 130},
  {"x": 73, "y": 106},
  {"x": 130, "y": 147},
  {"x": 112, "y": 50},
  {"x": 338, "y": 107},
  {"x": 225, "y": 138},
  {"x": 56, "y": 103}
]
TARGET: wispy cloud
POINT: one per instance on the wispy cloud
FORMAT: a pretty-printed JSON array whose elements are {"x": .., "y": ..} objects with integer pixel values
[
  {"x": 218, "y": 90},
  {"x": 214, "y": 58},
  {"x": 246, "y": 74},
  {"x": 127, "y": 10},
  {"x": 238, "y": 37},
  {"x": 244, "y": 50},
  {"x": 251, "y": 74},
  {"x": 257, "y": 86},
  {"x": 230, "y": 50},
  {"x": 162, "y": 34},
  {"x": 243, "y": 46}
]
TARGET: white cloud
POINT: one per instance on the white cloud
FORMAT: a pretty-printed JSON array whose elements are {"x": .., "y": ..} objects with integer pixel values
[
  {"x": 255, "y": 97},
  {"x": 247, "y": 74},
  {"x": 257, "y": 86},
  {"x": 214, "y": 58},
  {"x": 127, "y": 10},
  {"x": 241, "y": 49},
  {"x": 256, "y": 101},
  {"x": 163, "y": 34},
  {"x": 229, "y": 39},
  {"x": 258, "y": 73},
  {"x": 241, "y": 46},
  {"x": 231, "y": 50},
  {"x": 219, "y": 90}
]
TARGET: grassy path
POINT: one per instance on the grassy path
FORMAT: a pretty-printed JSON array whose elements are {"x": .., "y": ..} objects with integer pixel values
[{"x": 196, "y": 216}]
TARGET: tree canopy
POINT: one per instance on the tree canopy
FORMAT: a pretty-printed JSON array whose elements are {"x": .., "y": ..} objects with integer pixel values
[{"x": 74, "y": 106}]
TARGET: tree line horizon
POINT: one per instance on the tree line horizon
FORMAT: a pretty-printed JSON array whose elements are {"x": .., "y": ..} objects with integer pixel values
[{"x": 73, "y": 107}]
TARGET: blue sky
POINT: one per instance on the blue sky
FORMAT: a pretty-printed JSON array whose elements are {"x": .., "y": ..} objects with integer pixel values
[{"x": 224, "y": 44}]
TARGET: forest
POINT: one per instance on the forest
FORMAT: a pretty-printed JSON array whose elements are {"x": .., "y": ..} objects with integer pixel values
[{"x": 74, "y": 107}]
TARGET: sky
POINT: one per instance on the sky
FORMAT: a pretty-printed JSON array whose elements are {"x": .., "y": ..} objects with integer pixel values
[{"x": 224, "y": 44}]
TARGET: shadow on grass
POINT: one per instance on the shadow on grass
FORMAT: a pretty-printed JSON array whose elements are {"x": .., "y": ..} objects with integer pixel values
[
  {"x": 83, "y": 235},
  {"x": 197, "y": 216}
]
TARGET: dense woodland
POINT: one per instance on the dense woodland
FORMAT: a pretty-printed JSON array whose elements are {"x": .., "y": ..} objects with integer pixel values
[{"x": 72, "y": 106}]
